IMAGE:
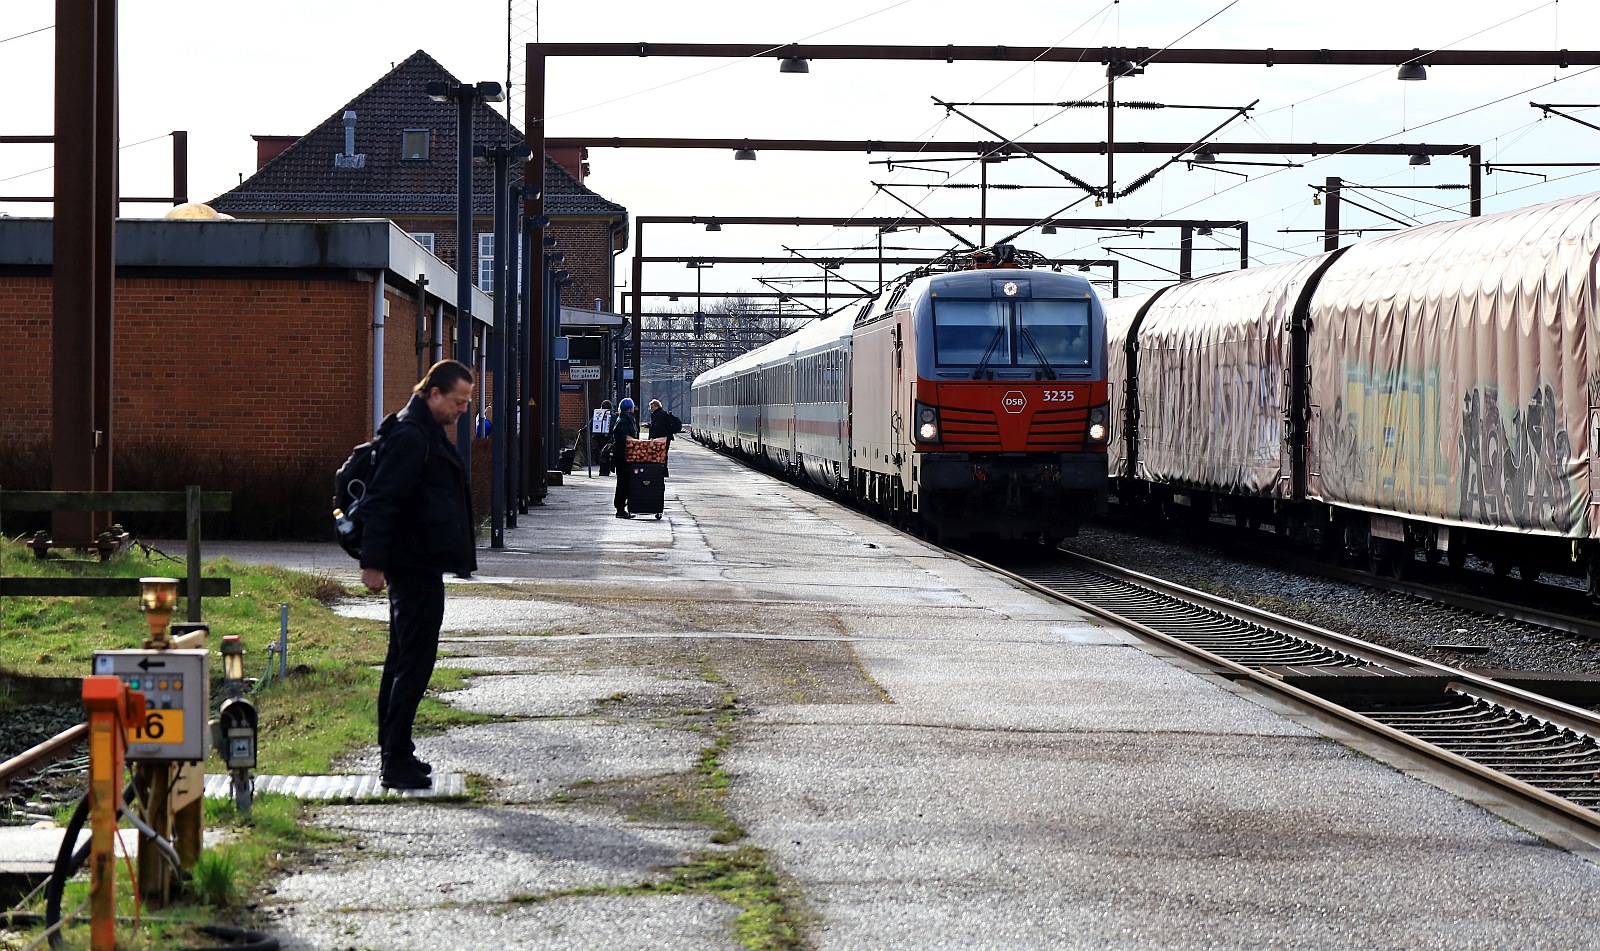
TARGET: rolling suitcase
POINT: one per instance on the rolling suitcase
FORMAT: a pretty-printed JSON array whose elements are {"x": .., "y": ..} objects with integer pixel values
[{"x": 647, "y": 491}]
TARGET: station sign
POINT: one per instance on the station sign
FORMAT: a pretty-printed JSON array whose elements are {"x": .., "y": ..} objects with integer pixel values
[
  {"x": 583, "y": 373},
  {"x": 572, "y": 387}
]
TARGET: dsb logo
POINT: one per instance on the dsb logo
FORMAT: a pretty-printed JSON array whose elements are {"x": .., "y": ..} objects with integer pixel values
[{"x": 1015, "y": 401}]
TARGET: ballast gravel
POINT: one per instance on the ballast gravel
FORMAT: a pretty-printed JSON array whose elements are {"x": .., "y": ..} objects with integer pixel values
[{"x": 1398, "y": 621}]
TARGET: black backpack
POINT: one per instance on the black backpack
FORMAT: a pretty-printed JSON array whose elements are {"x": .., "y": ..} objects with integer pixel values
[
  {"x": 350, "y": 486},
  {"x": 674, "y": 425}
]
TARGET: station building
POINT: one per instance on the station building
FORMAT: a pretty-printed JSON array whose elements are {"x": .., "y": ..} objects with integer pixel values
[{"x": 251, "y": 354}]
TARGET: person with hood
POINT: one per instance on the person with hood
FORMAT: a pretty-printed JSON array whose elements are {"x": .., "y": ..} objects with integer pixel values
[{"x": 627, "y": 427}]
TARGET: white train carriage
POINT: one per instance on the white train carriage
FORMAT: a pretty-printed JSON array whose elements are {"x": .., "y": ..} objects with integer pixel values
[{"x": 784, "y": 404}]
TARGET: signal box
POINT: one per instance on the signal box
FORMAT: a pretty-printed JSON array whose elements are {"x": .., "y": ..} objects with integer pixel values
[{"x": 177, "y": 697}]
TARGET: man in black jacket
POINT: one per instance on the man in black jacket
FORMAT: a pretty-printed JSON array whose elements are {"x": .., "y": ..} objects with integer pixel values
[
  {"x": 416, "y": 524},
  {"x": 625, "y": 428}
]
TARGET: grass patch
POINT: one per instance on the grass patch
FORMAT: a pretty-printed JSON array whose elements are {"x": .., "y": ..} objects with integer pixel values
[
  {"x": 769, "y": 918},
  {"x": 328, "y": 706},
  {"x": 261, "y": 844},
  {"x": 691, "y": 797}
]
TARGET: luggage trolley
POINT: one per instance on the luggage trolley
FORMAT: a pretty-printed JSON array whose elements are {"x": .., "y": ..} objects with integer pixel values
[{"x": 647, "y": 473}]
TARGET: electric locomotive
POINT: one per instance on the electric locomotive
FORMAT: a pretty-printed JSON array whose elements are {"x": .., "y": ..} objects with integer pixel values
[
  {"x": 968, "y": 401},
  {"x": 978, "y": 399}
]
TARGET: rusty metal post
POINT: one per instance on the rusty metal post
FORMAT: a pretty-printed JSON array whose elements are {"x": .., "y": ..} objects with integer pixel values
[
  {"x": 72, "y": 360},
  {"x": 1330, "y": 214},
  {"x": 1244, "y": 245},
  {"x": 1186, "y": 253},
  {"x": 107, "y": 190},
  {"x": 110, "y": 706},
  {"x": 537, "y": 422},
  {"x": 180, "y": 167}
]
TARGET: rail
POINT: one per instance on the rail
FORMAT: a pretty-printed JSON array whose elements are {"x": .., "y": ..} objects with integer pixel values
[
  {"x": 33, "y": 760},
  {"x": 1536, "y": 748}
]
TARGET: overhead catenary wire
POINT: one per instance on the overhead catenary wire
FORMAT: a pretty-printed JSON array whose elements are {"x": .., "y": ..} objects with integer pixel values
[{"x": 29, "y": 33}]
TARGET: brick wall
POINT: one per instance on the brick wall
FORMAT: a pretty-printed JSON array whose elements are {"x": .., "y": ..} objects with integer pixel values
[
  {"x": 256, "y": 386},
  {"x": 586, "y": 246}
]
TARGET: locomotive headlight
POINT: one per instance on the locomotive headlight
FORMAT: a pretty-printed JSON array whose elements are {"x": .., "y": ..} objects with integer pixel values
[
  {"x": 1097, "y": 424},
  {"x": 927, "y": 423}
]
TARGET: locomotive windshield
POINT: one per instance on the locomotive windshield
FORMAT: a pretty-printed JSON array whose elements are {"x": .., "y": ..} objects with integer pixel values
[
  {"x": 1025, "y": 333},
  {"x": 967, "y": 331},
  {"x": 1054, "y": 332}
]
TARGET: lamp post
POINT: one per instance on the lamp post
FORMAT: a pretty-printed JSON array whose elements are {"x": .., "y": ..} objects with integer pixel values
[
  {"x": 555, "y": 280},
  {"x": 465, "y": 96},
  {"x": 503, "y": 335}
]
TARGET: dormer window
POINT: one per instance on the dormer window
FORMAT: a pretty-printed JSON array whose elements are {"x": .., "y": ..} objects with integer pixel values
[{"x": 414, "y": 144}]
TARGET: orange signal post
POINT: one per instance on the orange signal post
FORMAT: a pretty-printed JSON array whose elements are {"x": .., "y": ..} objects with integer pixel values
[{"x": 112, "y": 707}]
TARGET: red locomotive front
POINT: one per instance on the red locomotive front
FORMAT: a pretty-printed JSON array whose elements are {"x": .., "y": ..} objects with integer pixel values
[{"x": 979, "y": 405}]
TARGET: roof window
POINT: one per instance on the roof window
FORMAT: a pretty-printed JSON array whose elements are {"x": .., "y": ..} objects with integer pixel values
[{"x": 414, "y": 144}]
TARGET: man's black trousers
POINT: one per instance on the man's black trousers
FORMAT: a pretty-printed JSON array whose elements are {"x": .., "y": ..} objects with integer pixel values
[
  {"x": 621, "y": 496},
  {"x": 416, "y": 610}
]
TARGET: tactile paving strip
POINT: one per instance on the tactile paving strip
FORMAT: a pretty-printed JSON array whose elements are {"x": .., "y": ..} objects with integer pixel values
[{"x": 367, "y": 786}]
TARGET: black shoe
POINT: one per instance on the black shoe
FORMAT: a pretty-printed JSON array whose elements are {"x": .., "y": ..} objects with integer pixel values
[
  {"x": 425, "y": 769},
  {"x": 405, "y": 774},
  {"x": 622, "y": 514}
]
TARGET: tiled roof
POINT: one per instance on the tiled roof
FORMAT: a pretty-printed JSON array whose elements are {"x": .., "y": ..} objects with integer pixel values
[{"x": 303, "y": 179}]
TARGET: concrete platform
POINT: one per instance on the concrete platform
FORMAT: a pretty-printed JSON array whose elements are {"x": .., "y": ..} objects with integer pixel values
[{"x": 927, "y": 755}]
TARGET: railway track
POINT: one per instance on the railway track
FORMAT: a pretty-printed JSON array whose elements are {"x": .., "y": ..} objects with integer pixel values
[
  {"x": 17, "y": 770},
  {"x": 1538, "y": 749}
]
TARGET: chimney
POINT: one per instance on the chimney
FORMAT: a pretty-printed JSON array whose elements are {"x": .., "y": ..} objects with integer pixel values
[
  {"x": 350, "y": 158},
  {"x": 575, "y": 160},
  {"x": 269, "y": 146}
]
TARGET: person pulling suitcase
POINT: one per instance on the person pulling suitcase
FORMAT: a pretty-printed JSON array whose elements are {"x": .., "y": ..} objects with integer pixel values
[{"x": 626, "y": 428}]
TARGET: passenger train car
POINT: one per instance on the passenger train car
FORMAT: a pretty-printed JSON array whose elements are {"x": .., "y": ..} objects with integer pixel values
[
  {"x": 1433, "y": 391},
  {"x": 968, "y": 400}
]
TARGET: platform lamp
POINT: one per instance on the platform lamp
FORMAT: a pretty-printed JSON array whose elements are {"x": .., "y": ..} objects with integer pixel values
[
  {"x": 1412, "y": 72},
  {"x": 699, "y": 301},
  {"x": 465, "y": 96},
  {"x": 794, "y": 64}
]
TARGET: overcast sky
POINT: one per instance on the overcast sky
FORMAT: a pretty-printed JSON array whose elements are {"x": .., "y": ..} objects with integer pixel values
[{"x": 226, "y": 70}]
